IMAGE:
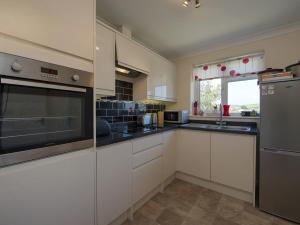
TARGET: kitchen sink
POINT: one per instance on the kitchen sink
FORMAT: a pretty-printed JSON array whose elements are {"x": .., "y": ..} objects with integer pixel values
[{"x": 217, "y": 127}]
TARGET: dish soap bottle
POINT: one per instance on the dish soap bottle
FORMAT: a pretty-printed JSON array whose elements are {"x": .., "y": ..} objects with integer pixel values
[{"x": 195, "y": 108}]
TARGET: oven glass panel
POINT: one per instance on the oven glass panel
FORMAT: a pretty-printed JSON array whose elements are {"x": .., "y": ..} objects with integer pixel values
[{"x": 37, "y": 117}]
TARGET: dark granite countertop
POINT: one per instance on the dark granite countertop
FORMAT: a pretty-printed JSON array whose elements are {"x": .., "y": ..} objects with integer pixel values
[{"x": 119, "y": 136}]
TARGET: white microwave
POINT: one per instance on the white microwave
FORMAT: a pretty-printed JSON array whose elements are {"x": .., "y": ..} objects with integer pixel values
[{"x": 179, "y": 117}]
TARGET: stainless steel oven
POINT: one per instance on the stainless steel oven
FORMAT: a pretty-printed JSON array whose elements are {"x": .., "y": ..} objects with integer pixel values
[{"x": 45, "y": 109}]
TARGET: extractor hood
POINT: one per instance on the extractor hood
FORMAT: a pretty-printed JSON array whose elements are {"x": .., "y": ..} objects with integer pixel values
[{"x": 132, "y": 59}]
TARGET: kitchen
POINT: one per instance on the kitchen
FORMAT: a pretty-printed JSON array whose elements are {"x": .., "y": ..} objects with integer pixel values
[{"x": 149, "y": 112}]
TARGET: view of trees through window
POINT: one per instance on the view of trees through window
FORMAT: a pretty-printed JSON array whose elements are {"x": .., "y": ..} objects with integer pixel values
[{"x": 210, "y": 94}]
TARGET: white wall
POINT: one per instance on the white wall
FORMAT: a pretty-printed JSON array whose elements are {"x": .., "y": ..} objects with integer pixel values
[{"x": 280, "y": 51}]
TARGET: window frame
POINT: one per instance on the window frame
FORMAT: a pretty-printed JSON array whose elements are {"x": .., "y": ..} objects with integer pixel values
[{"x": 224, "y": 89}]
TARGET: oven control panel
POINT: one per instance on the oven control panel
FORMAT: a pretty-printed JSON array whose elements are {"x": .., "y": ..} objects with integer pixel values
[{"x": 20, "y": 67}]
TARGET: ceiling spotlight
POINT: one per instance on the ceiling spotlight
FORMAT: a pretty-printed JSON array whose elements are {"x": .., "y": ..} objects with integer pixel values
[{"x": 186, "y": 3}]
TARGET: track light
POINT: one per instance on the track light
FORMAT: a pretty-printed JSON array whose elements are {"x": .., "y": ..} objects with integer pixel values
[{"x": 186, "y": 3}]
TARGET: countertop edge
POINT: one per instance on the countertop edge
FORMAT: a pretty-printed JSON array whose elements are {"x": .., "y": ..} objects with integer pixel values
[{"x": 165, "y": 129}]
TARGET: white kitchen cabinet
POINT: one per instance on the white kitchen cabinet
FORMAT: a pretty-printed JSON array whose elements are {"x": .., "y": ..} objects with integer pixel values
[
  {"x": 58, "y": 190},
  {"x": 193, "y": 153},
  {"x": 146, "y": 156},
  {"x": 143, "y": 143},
  {"x": 169, "y": 154},
  {"x": 105, "y": 61},
  {"x": 232, "y": 160},
  {"x": 154, "y": 79},
  {"x": 170, "y": 82},
  {"x": 146, "y": 178},
  {"x": 161, "y": 80},
  {"x": 132, "y": 55},
  {"x": 63, "y": 25},
  {"x": 113, "y": 181}
]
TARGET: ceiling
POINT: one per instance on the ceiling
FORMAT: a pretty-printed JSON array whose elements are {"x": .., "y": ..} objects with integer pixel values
[{"x": 175, "y": 31}]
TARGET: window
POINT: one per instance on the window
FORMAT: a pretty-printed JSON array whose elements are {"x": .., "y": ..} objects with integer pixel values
[
  {"x": 243, "y": 95},
  {"x": 210, "y": 94},
  {"x": 232, "y": 82}
]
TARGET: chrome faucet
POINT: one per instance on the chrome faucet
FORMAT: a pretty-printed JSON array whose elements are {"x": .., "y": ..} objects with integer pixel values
[
  {"x": 221, "y": 114},
  {"x": 221, "y": 123}
]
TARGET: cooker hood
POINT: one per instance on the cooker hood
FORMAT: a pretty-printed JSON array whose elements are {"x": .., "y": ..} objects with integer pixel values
[{"x": 132, "y": 59}]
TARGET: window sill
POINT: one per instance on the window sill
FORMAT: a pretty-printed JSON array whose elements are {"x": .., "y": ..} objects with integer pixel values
[{"x": 226, "y": 118}]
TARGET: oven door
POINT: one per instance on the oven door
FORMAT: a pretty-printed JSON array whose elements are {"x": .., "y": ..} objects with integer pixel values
[{"x": 38, "y": 120}]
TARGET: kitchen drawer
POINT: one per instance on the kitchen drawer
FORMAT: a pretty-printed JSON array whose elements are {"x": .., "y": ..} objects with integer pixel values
[
  {"x": 146, "y": 156},
  {"x": 146, "y": 178},
  {"x": 144, "y": 143}
]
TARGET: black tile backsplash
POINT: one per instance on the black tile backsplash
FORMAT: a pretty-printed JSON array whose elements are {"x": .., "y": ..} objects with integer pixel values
[
  {"x": 124, "y": 91},
  {"x": 124, "y": 113},
  {"x": 120, "y": 110}
]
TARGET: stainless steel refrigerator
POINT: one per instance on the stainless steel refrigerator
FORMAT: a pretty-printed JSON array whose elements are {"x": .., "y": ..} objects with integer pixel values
[{"x": 280, "y": 149}]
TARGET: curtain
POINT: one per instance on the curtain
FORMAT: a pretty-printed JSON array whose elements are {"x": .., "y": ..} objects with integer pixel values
[{"x": 239, "y": 66}]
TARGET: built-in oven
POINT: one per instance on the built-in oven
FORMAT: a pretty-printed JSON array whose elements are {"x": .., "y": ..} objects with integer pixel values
[{"x": 45, "y": 109}]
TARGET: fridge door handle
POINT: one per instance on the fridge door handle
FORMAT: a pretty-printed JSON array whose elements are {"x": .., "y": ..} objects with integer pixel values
[{"x": 281, "y": 152}]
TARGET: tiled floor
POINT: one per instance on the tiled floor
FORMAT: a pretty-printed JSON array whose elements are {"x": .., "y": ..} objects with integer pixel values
[{"x": 187, "y": 204}]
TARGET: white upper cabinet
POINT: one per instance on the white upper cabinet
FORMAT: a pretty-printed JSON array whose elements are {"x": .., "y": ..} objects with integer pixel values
[
  {"x": 155, "y": 78},
  {"x": 105, "y": 61},
  {"x": 168, "y": 80},
  {"x": 171, "y": 82},
  {"x": 132, "y": 55},
  {"x": 161, "y": 81},
  {"x": 63, "y": 25}
]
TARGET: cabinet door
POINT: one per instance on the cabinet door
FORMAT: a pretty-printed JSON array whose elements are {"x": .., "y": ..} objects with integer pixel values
[
  {"x": 67, "y": 26},
  {"x": 232, "y": 160},
  {"x": 58, "y": 190},
  {"x": 169, "y": 154},
  {"x": 162, "y": 82},
  {"x": 105, "y": 61},
  {"x": 146, "y": 178},
  {"x": 193, "y": 153},
  {"x": 131, "y": 54},
  {"x": 154, "y": 78},
  {"x": 113, "y": 181},
  {"x": 171, "y": 82}
]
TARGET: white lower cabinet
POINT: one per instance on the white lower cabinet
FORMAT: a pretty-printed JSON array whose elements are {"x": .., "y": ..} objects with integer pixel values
[
  {"x": 147, "y": 165},
  {"x": 113, "y": 181},
  {"x": 146, "y": 178},
  {"x": 193, "y": 153},
  {"x": 58, "y": 190},
  {"x": 232, "y": 160},
  {"x": 169, "y": 154}
]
